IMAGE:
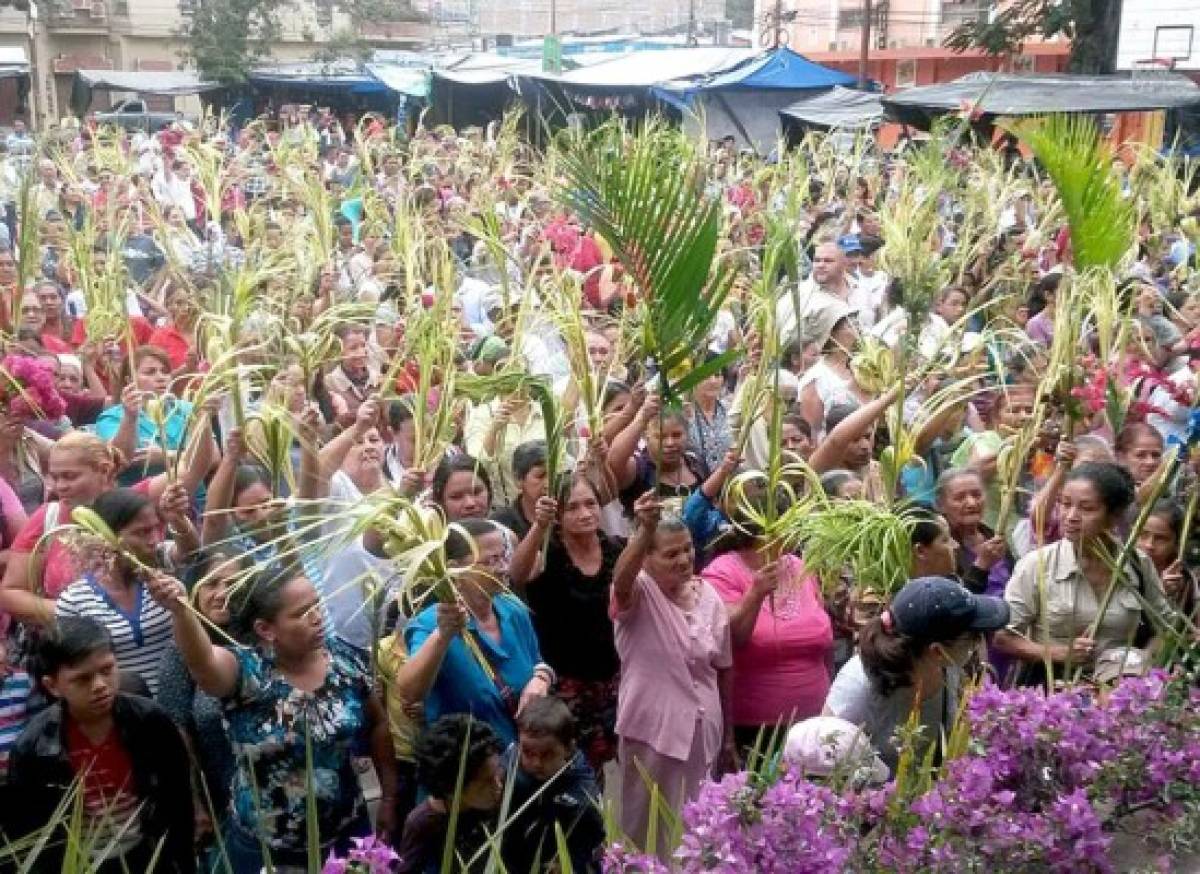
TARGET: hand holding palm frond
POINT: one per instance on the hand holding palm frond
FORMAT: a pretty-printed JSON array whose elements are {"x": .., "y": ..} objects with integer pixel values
[{"x": 643, "y": 195}]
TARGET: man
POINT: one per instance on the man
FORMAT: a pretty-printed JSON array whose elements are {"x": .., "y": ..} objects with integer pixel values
[
  {"x": 19, "y": 142},
  {"x": 828, "y": 284},
  {"x": 869, "y": 295}
]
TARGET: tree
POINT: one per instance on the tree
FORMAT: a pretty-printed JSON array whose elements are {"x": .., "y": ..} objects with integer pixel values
[
  {"x": 225, "y": 39},
  {"x": 1093, "y": 27}
]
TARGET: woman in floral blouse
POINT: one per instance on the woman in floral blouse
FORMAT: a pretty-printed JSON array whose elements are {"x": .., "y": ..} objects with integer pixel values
[{"x": 291, "y": 694}]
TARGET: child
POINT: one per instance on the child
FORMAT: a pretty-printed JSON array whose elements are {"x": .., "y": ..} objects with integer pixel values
[
  {"x": 552, "y": 784},
  {"x": 15, "y": 690},
  {"x": 123, "y": 751},
  {"x": 442, "y": 762}
]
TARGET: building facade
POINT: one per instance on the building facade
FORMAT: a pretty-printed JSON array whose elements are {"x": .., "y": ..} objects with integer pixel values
[
  {"x": 63, "y": 36},
  {"x": 1157, "y": 33},
  {"x": 498, "y": 21},
  {"x": 905, "y": 38}
]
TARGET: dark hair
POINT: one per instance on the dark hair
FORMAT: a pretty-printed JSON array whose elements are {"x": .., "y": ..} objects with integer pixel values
[
  {"x": 613, "y": 389},
  {"x": 800, "y": 423},
  {"x": 248, "y": 475},
  {"x": 119, "y": 507},
  {"x": 889, "y": 658},
  {"x": 838, "y": 413},
  {"x": 567, "y": 485},
  {"x": 1112, "y": 482},
  {"x": 70, "y": 641},
  {"x": 833, "y": 480},
  {"x": 440, "y": 756},
  {"x": 458, "y": 547},
  {"x": 449, "y": 466},
  {"x": 1128, "y": 435},
  {"x": 527, "y": 456},
  {"x": 262, "y": 598},
  {"x": 927, "y": 526},
  {"x": 1174, "y": 515},
  {"x": 400, "y": 411},
  {"x": 143, "y": 352},
  {"x": 209, "y": 558},
  {"x": 548, "y": 717}
]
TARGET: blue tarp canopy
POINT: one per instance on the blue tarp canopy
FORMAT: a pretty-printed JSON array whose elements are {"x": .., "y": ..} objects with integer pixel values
[{"x": 778, "y": 70}]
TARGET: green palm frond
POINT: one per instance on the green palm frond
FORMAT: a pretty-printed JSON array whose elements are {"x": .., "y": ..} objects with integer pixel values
[
  {"x": 1079, "y": 163},
  {"x": 644, "y": 195}
]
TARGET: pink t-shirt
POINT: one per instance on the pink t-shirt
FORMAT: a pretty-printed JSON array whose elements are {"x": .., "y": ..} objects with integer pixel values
[
  {"x": 782, "y": 672},
  {"x": 669, "y": 664}
]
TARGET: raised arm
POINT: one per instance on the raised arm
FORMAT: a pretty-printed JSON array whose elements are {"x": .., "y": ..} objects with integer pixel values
[
  {"x": 648, "y": 510},
  {"x": 126, "y": 438},
  {"x": 830, "y": 453},
  {"x": 214, "y": 668},
  {"x": 416, "y": 676},
  {"x": 215, "y": 526},
  {"x": 527, "y": 557},
  {"x": 620, "y": 456},
  {"x": 334, "y": 453}
]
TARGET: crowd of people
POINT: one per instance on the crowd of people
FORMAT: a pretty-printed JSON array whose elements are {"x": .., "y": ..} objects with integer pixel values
[{"x": 218, "y": 344}]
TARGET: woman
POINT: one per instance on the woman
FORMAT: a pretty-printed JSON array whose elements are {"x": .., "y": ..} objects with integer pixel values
[
  {"x": 298, "y": 707},
  {"x": 197, "y": 713},
  {"x": 1139, "y": 448},
  {"x": 782, "y": 636},
  {"x": 23, "y": 460},
  {"x": 112, "y": 591},
  {"x": 912, "y": 656},
  {"x": 177, "y": 337},
  {"x": 494, "y": 430},
  {"x": 131, "y": 428},
  {"x": 672, "y": 633},
  {"x": 830, "y": 382},
  {"x": 81, "y": 467},
  {"x": 1056, "y": 591},
  {"x": 461, "y": 489},
  {"x": 1160, "y": 541},
  {"x": 983, "y": 563},
  {"x": 662, "y": 462},
  {"x": 709, "y": 433},
  {"x": 443, "y": 671},
  {"x": 569, "y": 598}
]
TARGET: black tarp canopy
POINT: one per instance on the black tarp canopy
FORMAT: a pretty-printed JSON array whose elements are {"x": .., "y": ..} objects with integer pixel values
[
  {"x": 993, "y": 94},
  {"x": 839, "y": 107}
]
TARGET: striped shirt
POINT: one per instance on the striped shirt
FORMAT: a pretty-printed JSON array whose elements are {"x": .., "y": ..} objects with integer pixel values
[
  {"x": 139, "y": 637},
  {"x": 15, "y": 689}
]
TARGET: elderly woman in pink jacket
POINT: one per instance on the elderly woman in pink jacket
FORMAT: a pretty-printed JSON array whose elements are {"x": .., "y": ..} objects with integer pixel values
[{"x": 672, "y": 636}]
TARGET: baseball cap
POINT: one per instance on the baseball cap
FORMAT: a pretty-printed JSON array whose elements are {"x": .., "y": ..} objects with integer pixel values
[
  {"x": 850, "y": 244},
  {"x": 824, "y": 745},
  {"x": 939, "y": 609}
]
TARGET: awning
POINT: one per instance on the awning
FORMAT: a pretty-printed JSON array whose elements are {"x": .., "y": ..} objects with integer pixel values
[
  {"x": 646, "y": 69},
  {"x": 409, "y": 81},
  {"x": 342, "y": 76},
  {"x": 841, "y": 108},
  {"x": 1006, "y": 94},
  {"x": 13, "y": 62},
  {"x": 171, "y": 83},
  {"x": 777, "y": 70}
]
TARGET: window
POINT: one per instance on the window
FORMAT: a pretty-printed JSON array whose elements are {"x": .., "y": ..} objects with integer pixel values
[
  {"x": 1022, "y": 64},
  {"x": 1173, "y": 42},
  {"x": 906, "y": 73},
  {"x": 850, "y": 19}
]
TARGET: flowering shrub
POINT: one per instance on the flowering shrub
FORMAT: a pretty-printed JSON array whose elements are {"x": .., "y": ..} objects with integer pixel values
[
  {"x": 28, "y": 390},
  {"x": 368, "y": 856},
  {"x": 1044, "y": 783}
]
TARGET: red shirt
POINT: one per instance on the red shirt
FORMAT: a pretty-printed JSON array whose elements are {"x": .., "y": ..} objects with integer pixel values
[
  {"x": 56, "y": 345},
  {"x": 107, "y": 773}
]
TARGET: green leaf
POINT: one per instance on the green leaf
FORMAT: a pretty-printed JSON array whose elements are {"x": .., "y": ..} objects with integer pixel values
[{"x": 1079, "y": 162}]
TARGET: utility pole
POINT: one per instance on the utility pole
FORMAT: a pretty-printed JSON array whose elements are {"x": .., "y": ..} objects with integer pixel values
[
  {"x": 691, "y": 26},
  {"x": 864, "y": 49},
  {"x": 778, "y": 41}
]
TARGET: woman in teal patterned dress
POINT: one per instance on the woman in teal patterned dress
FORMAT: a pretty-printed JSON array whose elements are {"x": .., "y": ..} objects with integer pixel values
[{"x": 291, "y": 691}]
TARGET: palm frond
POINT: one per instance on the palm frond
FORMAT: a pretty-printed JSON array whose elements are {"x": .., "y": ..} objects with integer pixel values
[
  {"x": 1079, "y": 162},
  {"x": 643, "y": 193}
]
